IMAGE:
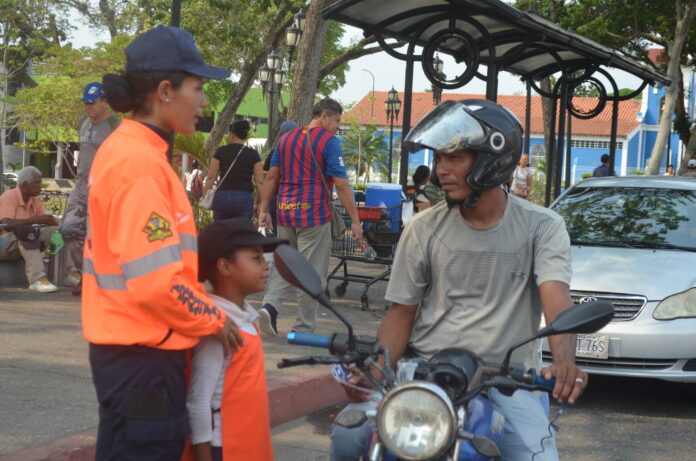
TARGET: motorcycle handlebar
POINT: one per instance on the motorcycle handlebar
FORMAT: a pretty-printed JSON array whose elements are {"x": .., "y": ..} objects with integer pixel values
[
  {"x": 539, "y": 380},
  {"x": 309, "y": 339}
]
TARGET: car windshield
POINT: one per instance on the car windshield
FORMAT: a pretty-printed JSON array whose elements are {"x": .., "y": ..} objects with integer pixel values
[{"x": 630, "y": 217}]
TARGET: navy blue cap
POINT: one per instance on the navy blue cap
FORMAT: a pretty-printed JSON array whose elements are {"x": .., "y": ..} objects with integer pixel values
[
  {"x": 169, "y": 49},
  {"x": 92, "y": 92}
]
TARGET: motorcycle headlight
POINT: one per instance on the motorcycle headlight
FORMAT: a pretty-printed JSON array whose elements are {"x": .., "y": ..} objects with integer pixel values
[
  {"x": 416, "y": 421},
  {"x": 677, "y": 306}
]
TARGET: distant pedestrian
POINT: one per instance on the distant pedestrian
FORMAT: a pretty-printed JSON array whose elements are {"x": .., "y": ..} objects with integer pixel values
[
  {"x": 194, "y": 181},
  {"x": 227, "y": 399},
  {"x": 522, "y": 179},
  {"x": 603, "y": 169},
  {"x": 669, "y": 171},
  {"x": 238, "y": 167},
  {"x": 93, "y": 129},
  {"x": 414, "y": 188},
  {"x": 143, "y": 307},
  {"x": 690, "y": 169}
]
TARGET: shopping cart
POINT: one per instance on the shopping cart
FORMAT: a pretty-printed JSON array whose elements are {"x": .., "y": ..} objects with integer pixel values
[{"x": 382, "y": 229}]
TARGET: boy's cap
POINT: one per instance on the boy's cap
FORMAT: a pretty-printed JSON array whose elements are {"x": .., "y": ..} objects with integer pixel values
[
  {"x": 92, "y": 92},
  {"x": 221, "y": 237},
  {"x": 169, "y": 49}
]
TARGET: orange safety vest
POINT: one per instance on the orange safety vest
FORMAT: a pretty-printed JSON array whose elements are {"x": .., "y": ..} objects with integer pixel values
[
  {"x": 140, "y": 281},
  {"x": 245, "y": 421}
]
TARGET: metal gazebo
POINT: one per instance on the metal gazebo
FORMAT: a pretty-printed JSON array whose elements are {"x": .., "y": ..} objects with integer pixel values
[{"x": 499, "y": 37}]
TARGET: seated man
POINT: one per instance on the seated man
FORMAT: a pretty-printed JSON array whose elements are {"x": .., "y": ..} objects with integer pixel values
[{"x": 20, "y": 212}]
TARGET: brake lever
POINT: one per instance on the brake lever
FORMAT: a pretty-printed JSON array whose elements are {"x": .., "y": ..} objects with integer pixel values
[{"x": 312, "y": 360}]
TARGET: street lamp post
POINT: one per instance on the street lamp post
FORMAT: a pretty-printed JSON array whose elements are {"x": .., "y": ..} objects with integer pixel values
[
  {"x": 438, "y": 65},
  {"x": 372, "y": 98},
  {"x": 272, "y": 75},
  {"x": 392, "y": 106}
]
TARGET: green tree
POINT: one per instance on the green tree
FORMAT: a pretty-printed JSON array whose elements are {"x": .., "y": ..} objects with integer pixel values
[
  {"x": 365, "y": 151},
  {"x": 27, "y": 29}
]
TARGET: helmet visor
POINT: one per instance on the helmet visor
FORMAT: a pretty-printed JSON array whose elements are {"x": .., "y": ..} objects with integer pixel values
[{"x": 448, "y": 127}]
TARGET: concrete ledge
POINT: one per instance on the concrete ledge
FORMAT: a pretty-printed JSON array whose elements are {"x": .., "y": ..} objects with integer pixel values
[
  {"x": 12, "y": 273},
  {"x": 306, "y": 392}
]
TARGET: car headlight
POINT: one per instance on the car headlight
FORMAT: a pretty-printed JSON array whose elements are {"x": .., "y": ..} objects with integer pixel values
[
  {"x": 416, "y": 421},
  {"x": 677, "y": 306}
]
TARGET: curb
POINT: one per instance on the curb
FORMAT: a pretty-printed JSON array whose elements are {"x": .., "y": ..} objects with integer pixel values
[{"x": 288, "y": 399}]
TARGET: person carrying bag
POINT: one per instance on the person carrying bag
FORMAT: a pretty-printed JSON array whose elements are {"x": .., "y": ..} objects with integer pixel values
[{"x": 208, "y": 196}]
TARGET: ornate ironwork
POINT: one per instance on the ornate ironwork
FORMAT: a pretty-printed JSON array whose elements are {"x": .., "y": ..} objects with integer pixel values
[{"x": 55, "y": 201}]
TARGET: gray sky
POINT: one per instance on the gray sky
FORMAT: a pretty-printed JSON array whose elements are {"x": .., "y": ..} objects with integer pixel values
[{"x": 387, "y": 70}]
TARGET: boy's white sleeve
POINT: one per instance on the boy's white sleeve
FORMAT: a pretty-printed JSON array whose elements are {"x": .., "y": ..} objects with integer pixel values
[{"x": 206, "y": 366}]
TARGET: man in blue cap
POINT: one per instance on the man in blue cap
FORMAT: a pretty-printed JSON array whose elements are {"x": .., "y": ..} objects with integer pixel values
[{"x": 93, "y": 128}]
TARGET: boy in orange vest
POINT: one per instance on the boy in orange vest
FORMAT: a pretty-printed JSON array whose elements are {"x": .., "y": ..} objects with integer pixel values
[{"x": 227, "y": 400}]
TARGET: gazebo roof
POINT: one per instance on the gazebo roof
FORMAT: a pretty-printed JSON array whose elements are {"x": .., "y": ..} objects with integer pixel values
[{"x": 523, "y": 43}]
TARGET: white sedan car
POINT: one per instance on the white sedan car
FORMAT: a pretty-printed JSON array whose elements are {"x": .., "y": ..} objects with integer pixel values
[{"x": 633, "y": 242}]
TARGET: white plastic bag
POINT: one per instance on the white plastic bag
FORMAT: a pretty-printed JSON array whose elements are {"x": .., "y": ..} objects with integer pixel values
[{"x": 267, "y": 256}]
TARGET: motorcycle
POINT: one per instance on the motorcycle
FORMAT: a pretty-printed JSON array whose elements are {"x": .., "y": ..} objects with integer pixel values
[{"x": 435, "y": 409}]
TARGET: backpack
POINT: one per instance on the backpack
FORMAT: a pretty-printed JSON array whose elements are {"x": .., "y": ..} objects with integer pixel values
[{"x": 196, "y": 184}]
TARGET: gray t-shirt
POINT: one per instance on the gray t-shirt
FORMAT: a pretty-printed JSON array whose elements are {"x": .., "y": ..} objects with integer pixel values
[
  {"x": 478, "y": 288},
  {"x": 91, "y": 137}
]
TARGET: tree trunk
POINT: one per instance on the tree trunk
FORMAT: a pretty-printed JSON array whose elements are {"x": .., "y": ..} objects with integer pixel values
[
  {"x": 674, "y": 73},
  {"x": 306, "y": 75},
  {"x": 246, "y": 79},
  {"x": 2, "y": 111}
]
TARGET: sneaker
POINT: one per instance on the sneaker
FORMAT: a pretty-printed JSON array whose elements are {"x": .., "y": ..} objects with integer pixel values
[
  {"x": 73, "y": 279},
  {"x": 43, "y": 286},
  {"x": 268, "y": 315}
]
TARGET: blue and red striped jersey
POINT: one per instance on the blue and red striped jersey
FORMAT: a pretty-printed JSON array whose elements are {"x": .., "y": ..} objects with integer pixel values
[{"x": 302, "y": 199}]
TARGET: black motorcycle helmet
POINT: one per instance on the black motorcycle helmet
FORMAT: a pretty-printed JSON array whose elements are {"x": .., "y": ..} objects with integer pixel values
[{"x": 489, "y": 129}]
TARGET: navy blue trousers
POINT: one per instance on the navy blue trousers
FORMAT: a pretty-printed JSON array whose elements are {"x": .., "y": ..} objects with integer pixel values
[{"x": 142, "y": 402}]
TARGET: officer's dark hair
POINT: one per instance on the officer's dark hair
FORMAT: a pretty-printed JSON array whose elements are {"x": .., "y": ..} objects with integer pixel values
[
  {"x": 326, "y": 105},
  {"x": 128, "y": 91},
  {"x": 240, "y": 128},
  {"x": 604, "y": 158}
]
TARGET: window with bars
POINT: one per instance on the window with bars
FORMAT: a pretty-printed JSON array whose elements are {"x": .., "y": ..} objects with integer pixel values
[{"x": 592, "y": 144}]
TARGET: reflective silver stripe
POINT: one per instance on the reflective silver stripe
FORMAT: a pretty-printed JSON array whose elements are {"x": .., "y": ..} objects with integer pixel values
[
  {"x": 152, "y": 262},
  {"x": 189, "y": 242},
  {"x": 104, "y": 281}
]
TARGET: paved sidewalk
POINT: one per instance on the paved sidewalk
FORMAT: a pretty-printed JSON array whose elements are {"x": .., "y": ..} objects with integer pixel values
[{"x": 47, "y": 401}]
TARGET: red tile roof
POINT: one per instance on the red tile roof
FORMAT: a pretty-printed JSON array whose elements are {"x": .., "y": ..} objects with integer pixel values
[
  {"x": 423, "y": 103},
  {"x": 658, "y": 56}
]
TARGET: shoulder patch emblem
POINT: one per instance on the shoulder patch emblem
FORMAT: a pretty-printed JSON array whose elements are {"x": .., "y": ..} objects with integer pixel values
[{"x": 157, "y": 228}]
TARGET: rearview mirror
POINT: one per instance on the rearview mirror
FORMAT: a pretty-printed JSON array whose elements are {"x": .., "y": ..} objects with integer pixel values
[
  {"x": 298, "y": 272},
  {"x": 582, "y": 318}
]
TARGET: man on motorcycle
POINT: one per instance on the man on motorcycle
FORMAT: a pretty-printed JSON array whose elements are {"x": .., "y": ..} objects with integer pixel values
[{"x": 478, "y": 270}]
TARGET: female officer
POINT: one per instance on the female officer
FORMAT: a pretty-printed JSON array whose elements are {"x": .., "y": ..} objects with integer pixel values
[{"x": 142, "y": 305}]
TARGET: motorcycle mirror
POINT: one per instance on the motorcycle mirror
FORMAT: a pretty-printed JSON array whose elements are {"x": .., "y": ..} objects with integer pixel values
[
  {"x": 486, "y": 447},
  {"x": 580, "y": 318},
  {"x": 298, "y": 272}
]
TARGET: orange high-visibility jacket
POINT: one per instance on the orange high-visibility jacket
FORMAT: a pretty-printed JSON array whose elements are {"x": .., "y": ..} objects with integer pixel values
[{"x": 140, "y": 282}]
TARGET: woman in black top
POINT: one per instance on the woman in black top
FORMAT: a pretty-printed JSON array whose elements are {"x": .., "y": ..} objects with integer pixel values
[{"x": 234, "y": 198}]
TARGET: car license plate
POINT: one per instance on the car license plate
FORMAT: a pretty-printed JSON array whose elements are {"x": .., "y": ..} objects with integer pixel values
[{"x": 594, "y": 346}]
